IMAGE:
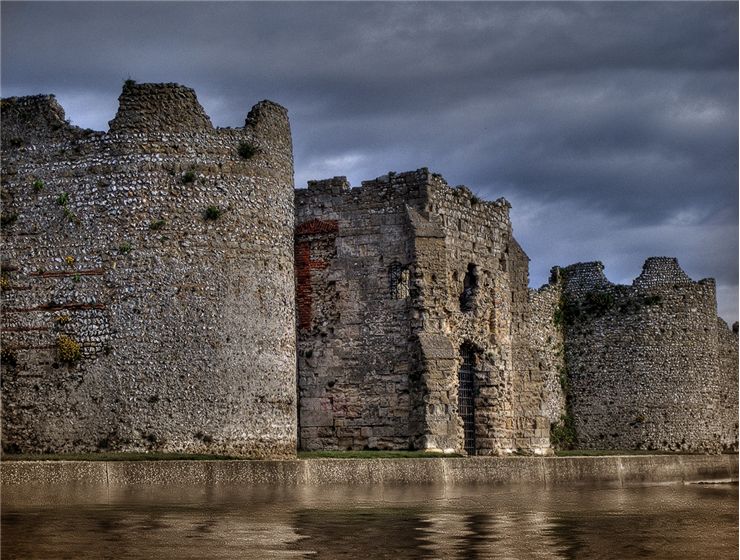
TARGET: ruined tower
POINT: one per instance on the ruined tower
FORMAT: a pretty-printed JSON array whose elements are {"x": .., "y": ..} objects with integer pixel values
[
  {"x": 406, "y": 292},
  {"x": 649, "y": 366},
  {"x": 147, "y": 279}
]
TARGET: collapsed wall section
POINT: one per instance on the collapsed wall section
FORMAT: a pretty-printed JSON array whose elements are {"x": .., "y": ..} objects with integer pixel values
[
  {"x": 147, "y": 279},
  {"x": 648, "y": 367}
]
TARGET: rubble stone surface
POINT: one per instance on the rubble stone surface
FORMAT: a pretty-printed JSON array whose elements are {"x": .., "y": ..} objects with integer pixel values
[
  {"x": 168, "y": 258},
  {"x": 165, "y": 288}
]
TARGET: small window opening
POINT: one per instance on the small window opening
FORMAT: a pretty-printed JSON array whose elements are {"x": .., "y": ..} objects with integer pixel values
[
  {"x": 470, "y": 287},
  {"x": 398, "y": 280}
]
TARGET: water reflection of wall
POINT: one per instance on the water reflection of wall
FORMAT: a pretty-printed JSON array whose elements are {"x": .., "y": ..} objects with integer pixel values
[{"x": 405, "y": 522}]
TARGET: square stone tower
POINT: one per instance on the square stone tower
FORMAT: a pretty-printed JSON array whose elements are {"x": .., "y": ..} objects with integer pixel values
[{"x": 410, "y": 296}]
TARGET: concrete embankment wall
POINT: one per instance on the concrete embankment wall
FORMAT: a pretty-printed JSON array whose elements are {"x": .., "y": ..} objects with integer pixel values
[{"x": 605, "y": 471}]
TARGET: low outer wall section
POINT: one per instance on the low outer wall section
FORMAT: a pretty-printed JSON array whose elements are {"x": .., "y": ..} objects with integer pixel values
[{"x": 613, "y": 471}]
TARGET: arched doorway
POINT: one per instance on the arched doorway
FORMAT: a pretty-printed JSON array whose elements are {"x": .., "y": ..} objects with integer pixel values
[{"x": 466, "y": 397}]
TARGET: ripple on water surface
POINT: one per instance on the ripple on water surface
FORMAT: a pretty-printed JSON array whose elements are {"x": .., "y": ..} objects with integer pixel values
[{"x": 697, "y": 521}]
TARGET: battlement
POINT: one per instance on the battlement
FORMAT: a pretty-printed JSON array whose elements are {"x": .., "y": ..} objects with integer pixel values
[
  {"x": 662, "y": 271},
  {"x": 335, "y": 185},
  {"x": 30, "y": 119},
  {"x": 421, "y": 188},
  {"x": 165, "y": 226},
  {"x": 657, "y": 272},
  {"x": 580, "y": 278},
  {"x": 144, "y": 109},
  {"x": 159, "y": 107}
]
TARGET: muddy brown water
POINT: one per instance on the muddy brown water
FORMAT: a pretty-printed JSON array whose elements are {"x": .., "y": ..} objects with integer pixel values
[{"x": 445, "y": 522}]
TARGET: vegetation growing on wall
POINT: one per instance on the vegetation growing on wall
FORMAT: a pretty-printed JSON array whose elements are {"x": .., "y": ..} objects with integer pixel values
[
  {"x": 63, "y": 201},
  {"x": 8, "y": 356},
  {"x": 8, "y": 219},
  {"x": 69, "y": 349},
  {"x": 563, "y": 432},
  {"x": 598, "y": 303},
  {"x": 62, "y": 319},
  {"x": 247, "y": 150},
  {"x": 212, "y": 213}
]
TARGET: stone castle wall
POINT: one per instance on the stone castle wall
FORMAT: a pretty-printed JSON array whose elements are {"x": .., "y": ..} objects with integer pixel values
[
  {"x": 727, "y": 417},
  {"x": 540, "y": 355},
  {"x": 168, "y": 258},
  {"x": 352, "y": 247},
  {"x": 154, "y": 277},
  {"x": 648, "y": 365},
  {"x": 381, "y": 274},
  {"x": 478, "y": 234}
]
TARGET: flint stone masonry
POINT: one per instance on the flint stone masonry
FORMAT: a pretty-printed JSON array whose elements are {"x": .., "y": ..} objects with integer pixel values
[
  {"x": 402, "y": 277},
  {"x": 650, "y": 366},
  {"x": 394, "y": 279},
  {"x": 185, "y": 324},
  {"x": 155, "y": 279}
]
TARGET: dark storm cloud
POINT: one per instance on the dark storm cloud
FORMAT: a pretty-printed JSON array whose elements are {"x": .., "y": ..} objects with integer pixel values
[{"x": 611, "y": 127}]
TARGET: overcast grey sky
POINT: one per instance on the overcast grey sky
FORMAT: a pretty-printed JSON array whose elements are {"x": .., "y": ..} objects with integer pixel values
[{"x": 612, "y": 128}]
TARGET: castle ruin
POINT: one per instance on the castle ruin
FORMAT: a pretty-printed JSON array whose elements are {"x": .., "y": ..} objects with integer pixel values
[
  {"x": 148, "y": 279},
  {"x": 164, "y": 287}
]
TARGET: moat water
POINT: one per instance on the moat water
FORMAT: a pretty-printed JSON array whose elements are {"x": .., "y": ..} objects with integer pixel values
[{"x": 693, "y": 522}]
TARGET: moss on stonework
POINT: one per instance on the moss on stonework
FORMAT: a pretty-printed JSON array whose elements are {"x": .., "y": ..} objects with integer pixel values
[
  {"x": 598, "y": 303},
  {"x": 63, "y": 199},
  {"x": 8, "y": 219},
  {"x": 247, "y": 150},
  {"x": 594, "y": 304},
  {"x": 8, "y": 357},
  {"x": 69, "y": 349},
  {"x": 563, "y": 432},
  {"x": 212, "y": 213}
]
